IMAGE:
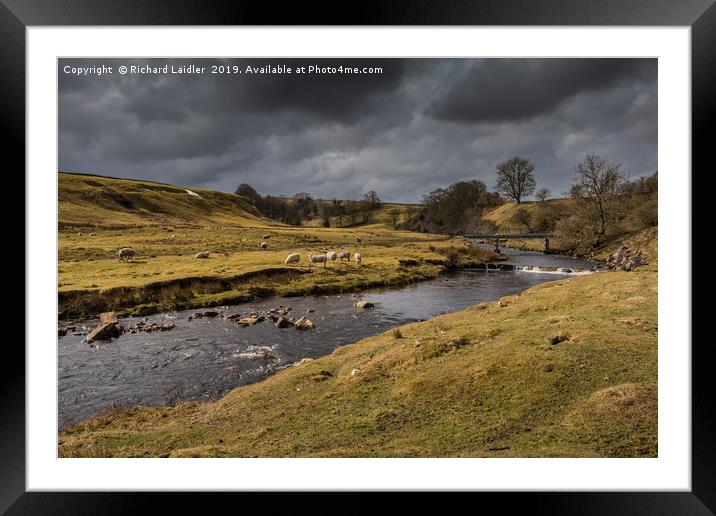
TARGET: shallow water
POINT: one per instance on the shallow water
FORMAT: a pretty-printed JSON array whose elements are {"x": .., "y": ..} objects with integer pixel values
[{"x": 204, "y": 358}]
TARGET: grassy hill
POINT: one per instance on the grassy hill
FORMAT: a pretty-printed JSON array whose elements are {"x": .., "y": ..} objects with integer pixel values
[
  {"x": 565, "y": 369},
  {"x": 96, "y": 201},
  {"x": 504, "y": 214}
]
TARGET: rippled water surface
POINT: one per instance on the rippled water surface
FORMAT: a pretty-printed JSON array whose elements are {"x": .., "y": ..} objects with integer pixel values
[{"x": 206, "y": 357}]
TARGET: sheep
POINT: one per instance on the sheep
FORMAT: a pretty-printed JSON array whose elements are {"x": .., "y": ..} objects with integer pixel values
[
  {"x": 264, "y": 246},
  {"x": 265, "y": 237},
  {"x": 203, "y": 254},
  {"x": 126, "y": 253},
  {"x": 358, "y": 240},
  {"x": 344, "y": 255},
  {"x": 356, "y": 258},
  {"x": 93, "y": 234},
  {"x": 292, "y": 258},
  {"x": 320, "y": 258},
  {"x": 331, "y": 255}
]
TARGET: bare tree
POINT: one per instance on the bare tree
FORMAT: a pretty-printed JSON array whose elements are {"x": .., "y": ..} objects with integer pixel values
[
  {"x": 394, "y": 214},
  {"x": 373, "y": 198},
  {"x": 515, "y": 178},
  {"x": 597, "y": 185},
  {"x": 339, "y": 209},
  {"x": 542, "y": 194}
]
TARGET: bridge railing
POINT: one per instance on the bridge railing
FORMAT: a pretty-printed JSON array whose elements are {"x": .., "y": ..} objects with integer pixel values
[{"x": 509, "y": 235}]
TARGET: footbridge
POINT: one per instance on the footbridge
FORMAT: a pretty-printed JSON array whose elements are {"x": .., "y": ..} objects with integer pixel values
[{"x": 495, "y": 238}]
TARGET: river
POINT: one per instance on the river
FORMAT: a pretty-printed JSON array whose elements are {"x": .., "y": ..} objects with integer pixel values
[{"x": 204, "y": 358}]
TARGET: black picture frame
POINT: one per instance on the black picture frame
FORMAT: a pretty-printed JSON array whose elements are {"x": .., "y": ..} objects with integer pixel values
[{"x": 17, "y": 15}]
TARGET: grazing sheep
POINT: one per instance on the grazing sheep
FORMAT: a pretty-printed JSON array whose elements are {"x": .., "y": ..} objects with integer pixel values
[
  {"x": 93, "y": 234},
  {"x": 320, "y": 258},
  {"x": 331, "y": 255},
  {"x": 203, "y": 254},
  {"x": 292, "y": 258},
  {"x": 344, "y": 255},
  {"x": 358, "y": 240},
  {"x": 266, "y": 236},
  {"x": 126, "y": 253},
  {"x": 264, "y": 246},
  {"x": 356, "y": 258}
]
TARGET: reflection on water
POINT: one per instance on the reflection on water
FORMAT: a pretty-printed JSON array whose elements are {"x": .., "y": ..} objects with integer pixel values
[{"x": 205, "y": 358}]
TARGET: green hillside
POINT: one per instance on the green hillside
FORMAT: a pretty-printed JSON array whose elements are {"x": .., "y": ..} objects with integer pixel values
[{"x": 96, "y": 201}]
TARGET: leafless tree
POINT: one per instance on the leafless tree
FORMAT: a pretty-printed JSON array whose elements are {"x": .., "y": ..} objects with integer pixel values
[
  {"x": 515, "y": 178},
  {"x": 542, "y": 194},
  {"x": 597, "y": 185},
  {"x": 394, "y": 214}
]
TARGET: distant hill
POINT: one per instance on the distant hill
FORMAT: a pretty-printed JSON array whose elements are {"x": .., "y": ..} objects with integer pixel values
[{"x": 97, "y": 201}]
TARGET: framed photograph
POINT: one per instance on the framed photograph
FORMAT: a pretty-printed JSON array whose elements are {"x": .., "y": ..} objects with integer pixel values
[{"x": 420, "y": 252}]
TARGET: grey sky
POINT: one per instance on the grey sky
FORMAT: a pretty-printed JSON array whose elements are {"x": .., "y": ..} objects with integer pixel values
[{"x": 421, "y": 124}]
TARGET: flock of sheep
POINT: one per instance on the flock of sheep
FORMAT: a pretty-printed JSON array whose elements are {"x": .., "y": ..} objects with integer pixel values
[
  {"x": 330, "y": 256},
  {"x": 127, "y": 254}
]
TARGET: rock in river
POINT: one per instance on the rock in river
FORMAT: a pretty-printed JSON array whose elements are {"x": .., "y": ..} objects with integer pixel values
[
  {"x": 105, "y": 331},
  {"x": 282, "y": 322},
  {"x": 248, "y": 321},
  {"x": 304, "y": 324},
  {"x": 364, "y": 304}
]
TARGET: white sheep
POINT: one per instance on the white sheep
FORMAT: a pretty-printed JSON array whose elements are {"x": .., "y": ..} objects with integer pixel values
[
  {"x": 126, "y": 253},
  {"x": 203, "y": 254},
  {"x": 264, "y": 246},
  {"x": 265, "y": 237},
  {"x": 344, "y": 255},
  {"x": 292, "y": 258},
  {"x": 319, "y": 258},
  {"x": 356, "y": 258},
  {"x": 331, "y": 255}
]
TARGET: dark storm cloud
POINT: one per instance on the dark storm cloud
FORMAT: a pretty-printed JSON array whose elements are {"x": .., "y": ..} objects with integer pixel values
[
  {"x": 513, "y": 89},
  {"x": 418, "y": 125}
]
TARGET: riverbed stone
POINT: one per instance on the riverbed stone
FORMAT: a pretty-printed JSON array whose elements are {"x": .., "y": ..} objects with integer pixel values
[
  {"x": 364, "y": 304},
  {"x": 105, "y": 331},
  {"x": 282, "y": 322},
  {"x": 304, "y": 324},
  {"x": 250, "y": 320}
]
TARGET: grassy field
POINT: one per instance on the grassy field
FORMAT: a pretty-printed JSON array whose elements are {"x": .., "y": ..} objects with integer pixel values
[
  {"x": 565, "y": 369},
  {"x": 167, "y": 226}
]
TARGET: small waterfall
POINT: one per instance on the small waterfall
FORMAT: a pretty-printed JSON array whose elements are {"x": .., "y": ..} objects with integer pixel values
[{"x": 553, "y": 270}]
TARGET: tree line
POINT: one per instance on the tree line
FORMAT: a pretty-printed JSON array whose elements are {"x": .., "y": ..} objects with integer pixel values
[
  {"x": 302, "y": 206},
  {"x": 604, "y": 203}
]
